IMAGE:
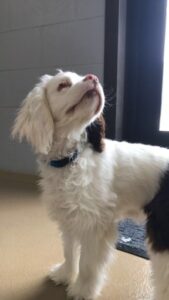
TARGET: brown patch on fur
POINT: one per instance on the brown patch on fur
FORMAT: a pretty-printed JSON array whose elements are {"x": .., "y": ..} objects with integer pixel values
[
  {"x": 158, "y": 217},
  {"x": 96, "y": 133}
]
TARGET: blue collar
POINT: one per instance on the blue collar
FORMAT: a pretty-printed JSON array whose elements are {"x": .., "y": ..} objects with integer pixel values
[{"x": 60, "y": 163}]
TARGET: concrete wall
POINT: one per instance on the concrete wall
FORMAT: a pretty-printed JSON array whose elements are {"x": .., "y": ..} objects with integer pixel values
[{"x": 37, "y": 36}]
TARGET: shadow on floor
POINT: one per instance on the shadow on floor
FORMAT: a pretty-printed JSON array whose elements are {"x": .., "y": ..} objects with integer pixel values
[{"x": 47, "y": 290}]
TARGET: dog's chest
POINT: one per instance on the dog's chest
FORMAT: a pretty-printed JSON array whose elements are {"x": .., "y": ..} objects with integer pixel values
[{"x": 78, "y": 193}]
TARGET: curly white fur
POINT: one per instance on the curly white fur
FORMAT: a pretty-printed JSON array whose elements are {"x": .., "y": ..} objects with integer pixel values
[{"x": 87, "y": 198}]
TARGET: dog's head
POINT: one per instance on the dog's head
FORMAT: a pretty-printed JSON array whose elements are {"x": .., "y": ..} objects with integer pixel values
[{"x": 65, "y": 103}]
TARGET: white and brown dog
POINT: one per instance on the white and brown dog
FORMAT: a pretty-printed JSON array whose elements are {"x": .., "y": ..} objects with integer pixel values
[{"x": 90, "y": 183}]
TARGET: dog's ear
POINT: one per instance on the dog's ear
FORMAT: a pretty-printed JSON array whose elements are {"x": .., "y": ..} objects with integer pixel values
[
  {"x": 96, "y": 134},
  {"x": 34, "y": 121}
]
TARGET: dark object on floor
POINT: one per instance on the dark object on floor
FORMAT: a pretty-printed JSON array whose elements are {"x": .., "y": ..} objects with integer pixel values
[{"x": 132, "y": 238}]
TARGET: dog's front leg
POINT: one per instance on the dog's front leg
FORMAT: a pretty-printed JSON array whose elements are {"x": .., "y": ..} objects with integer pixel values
[
  {"x": 96, "y": 252},
  {"x": 66, "y": 272}
]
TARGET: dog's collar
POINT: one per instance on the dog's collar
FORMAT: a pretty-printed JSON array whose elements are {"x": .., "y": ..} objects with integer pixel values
[{"x": 61, "y": 163}]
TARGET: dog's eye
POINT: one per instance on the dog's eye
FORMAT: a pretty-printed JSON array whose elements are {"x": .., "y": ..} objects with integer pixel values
[{"x": 63, "y": 85}]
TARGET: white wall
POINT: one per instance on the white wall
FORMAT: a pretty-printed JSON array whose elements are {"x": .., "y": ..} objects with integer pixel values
[{"x": 37, "y": 36}]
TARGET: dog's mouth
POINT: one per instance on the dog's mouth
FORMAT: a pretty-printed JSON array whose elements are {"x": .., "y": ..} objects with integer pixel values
[{"x": 91, "y": 94}]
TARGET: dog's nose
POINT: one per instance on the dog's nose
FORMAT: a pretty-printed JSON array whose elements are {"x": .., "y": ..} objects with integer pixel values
[{"x": 91, "y": 77}]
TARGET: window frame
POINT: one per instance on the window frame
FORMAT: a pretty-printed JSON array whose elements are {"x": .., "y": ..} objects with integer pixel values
[{"x": 110, "y": 63}]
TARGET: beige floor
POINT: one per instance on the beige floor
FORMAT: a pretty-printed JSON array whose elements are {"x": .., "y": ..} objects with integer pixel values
[{"x": 30, "y": 244}]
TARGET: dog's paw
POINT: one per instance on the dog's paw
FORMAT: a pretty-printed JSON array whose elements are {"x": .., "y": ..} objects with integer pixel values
[
  {"x": 81, "y": 292},
  {"x": 59, "y": 274}
]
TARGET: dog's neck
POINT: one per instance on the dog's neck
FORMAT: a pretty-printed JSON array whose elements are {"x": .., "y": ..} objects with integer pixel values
[{"x": 67, "y": 144}]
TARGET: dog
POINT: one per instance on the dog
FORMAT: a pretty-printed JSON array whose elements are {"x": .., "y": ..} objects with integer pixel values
[{"x": 90, "y": 183}]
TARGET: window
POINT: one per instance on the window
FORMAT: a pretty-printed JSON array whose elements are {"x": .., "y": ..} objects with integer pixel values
[
  {"x": 146, "y": 67},
  {"x": 164, "y": 118}
]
